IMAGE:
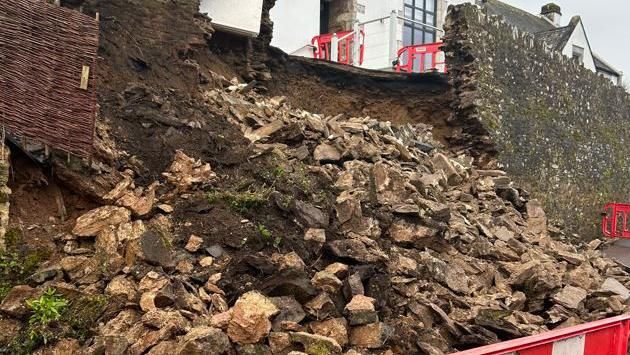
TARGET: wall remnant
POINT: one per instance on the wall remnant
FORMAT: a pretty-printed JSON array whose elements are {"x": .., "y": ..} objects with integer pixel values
[
  {"x": 44, "y": 50},
  {"x": 559, "y": 129}
]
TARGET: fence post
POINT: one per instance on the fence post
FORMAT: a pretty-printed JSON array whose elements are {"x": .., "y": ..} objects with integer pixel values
[
  {"x": 393, "y": 39},
  {"x": 334, "y": 48},
  {"x": 356, "y": 45}
]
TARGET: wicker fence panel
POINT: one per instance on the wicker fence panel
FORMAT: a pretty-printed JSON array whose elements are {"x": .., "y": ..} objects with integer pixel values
[{"x": 43, "y": 49}]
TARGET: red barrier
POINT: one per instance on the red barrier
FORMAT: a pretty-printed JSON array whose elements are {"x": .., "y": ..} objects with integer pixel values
[
  {"x": 323, "y": 43},
  {"x": 604, "y": 337},
  {"x": 615, "y": 220},
  {"x": 421, "y": 58}
]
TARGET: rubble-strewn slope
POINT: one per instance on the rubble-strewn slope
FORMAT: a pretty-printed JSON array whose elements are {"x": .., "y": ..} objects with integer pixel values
[{"x": 235, "y": 222}]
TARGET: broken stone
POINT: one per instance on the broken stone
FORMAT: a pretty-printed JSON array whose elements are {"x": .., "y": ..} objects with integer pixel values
[
  {"x": 570, "y": 297},
  {"x": 201, "y": 340},
  {"x": 14, "y": 303},
  {"x": 326, "y": 281},
  {"x": 614, "y": 286},
  {"x": 338, "y": 269},
  {"x": 357, "y": 250},
  {"x": 361, "y": 310},
  {"x": 326, "y": 153},
  {"x": 353, "y": 286},
  {"x": 316, "y": 235},
  {"x": 369, "y": 336},
  {"x": 406, "y": 233},
  {"x": 336, "y": 328},
  {"x": 194, "y": 244},
  {"x": 96, "y": 220},
  {"x": 250, "y": 318},
  {"x": 316, "y": 344},
  {"x": 311, "y": 215},
  {"x": 321, "y": 307},
  {"x": 441, "y": 162},
  {"x": 290, "y": 310},
  {"x": 207, "y": 261}
]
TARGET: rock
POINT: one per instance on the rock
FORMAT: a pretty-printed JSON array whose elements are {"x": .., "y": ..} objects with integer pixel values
[
  {"x": 360, "y": 310},
  {"x": 9, "y": 330},
  {"x": 316, "y": 235},
  {"x": 326, "y": 153},
  {"x": 309, "y": 214},
  {"x": 298, "y": 287},
  {"x": 321, "y": 307},
  {"x": 406, "y": 233},
  {"x": 338, "y": 269},
  {"x": 156, "y": 250},
  {"x": 14, "y": 303},
  {"x": 166, "y": 208},
  {"x": 138, "y": 202},
  {"x": 336, "y": 328},
  {"x": 614, "y": 286},
  {"x": 221, "y": 320},
  {"x": 96, "y": 220},
  {"x": 290, "y": 310},
  {"x": 207, "y": 261},
  {"x": 279, "y": 342},
  {"x": 353, "y": 286},
  {"x": 253, "y": 349},
  {"x": 570, "y": 297},
  {"x": 194, "y": 244},
  {"x": 250, "y": 318},
  {"x": 451, "y": 277},
  {"x": 441, "y": 162},
  {"x": 160, "y": 319},
  {"x": 369, "y": 336},
  {"x": 358, "y": 250},
  {"x": 121, "y": 285},
  {"x": 204, "y": 340},
  {"x": 326, "y": 281},
  {"x": 186, "y": 172},
  {"x": 403, "y": 266},
  {"x": 215, "y": 251},
  {"x": 316, "y": 344},
  {"x": 289, "y": 263}
]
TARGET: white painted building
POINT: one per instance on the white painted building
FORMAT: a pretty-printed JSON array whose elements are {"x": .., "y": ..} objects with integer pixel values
[{"x": 416, "y": 22}]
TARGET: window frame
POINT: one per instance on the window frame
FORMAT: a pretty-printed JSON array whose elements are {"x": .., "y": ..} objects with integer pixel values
[{"x": 420, "y": 7}]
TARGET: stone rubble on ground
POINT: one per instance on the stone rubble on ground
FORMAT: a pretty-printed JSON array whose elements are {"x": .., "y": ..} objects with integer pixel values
[{"x": 426, "y": 254}]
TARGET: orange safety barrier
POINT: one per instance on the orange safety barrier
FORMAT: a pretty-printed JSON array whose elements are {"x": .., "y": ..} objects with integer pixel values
[
  {"x": 323, "y": 43},
  {"x": 615, "y": 220},
  {"x": 604, "y": 337},
  {"x": 421, "y": 58}
]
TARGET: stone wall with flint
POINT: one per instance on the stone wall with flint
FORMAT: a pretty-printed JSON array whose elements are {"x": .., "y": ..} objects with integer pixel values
[{"x": 559, "y": 129}]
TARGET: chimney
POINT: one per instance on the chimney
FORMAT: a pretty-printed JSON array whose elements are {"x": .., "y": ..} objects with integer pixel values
[{"x": 552, "y": 12}]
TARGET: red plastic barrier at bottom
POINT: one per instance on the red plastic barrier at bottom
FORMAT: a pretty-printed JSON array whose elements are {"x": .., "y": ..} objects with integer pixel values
[{"x": 604, "y": 337}]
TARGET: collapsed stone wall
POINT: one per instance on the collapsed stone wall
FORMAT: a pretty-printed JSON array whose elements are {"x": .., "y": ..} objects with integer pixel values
[{"x": 556, "y": 127}]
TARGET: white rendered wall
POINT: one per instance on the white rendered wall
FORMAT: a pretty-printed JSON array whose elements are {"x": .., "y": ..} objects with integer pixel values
[
  {"x": 578, "y": 38},
  {"x": 243, "y": 19},
  {"x": 377, "y": 54},
  {"x": 294, "y": 24}
]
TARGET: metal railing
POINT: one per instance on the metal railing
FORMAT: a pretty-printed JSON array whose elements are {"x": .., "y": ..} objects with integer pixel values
[{"x": 422, "y": 58}]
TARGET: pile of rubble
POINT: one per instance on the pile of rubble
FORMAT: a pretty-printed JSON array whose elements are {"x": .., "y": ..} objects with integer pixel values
[{"x": 410, "y": 250}]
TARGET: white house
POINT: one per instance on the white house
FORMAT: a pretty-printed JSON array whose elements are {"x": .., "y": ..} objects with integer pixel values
[
  {"x": 571, "y": 39},
  {"x": 415, "y": 22}
]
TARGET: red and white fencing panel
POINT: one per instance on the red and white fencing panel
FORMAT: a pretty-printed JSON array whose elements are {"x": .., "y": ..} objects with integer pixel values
[{"x": 604, "y": 337}]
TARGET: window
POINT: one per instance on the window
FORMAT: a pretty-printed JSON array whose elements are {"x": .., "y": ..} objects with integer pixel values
[
  {"x": 420, "y": 11},
  {"x": 578, "y": 54}
]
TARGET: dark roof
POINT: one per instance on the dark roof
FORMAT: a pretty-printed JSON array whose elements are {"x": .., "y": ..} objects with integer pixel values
[
  {"x": 516, "y": 17},
  {"x": 556, "y": 38},
  {"x": 601, "y": 65}
]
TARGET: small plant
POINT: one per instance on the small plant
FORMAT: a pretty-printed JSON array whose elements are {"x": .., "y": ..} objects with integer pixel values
[
  {"x": 240, "y": 201},
  {"x": 264, "y": 232},
  {"x": 48, "y": 308},
  {"x": 267, "y": 236}
]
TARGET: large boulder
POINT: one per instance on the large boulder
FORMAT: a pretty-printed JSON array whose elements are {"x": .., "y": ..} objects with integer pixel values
[
  {"x": 250, "y": 318},
  {"x": 96, "y": 220}
]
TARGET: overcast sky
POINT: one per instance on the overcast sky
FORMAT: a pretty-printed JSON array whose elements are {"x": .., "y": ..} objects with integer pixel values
[{"x": 605, "y": 21}]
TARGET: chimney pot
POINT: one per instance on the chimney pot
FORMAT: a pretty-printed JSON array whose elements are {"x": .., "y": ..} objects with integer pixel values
[{"x": 553, "y": 12}]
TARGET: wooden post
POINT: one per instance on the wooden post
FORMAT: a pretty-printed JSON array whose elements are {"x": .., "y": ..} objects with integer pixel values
[{"x": 85, "y": 77}]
